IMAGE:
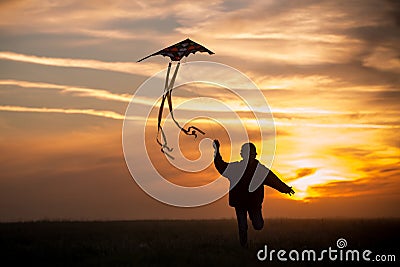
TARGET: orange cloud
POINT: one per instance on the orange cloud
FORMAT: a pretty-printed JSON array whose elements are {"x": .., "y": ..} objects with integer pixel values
[
  {"x": 390, "y": 57},
  {"x": 79, "y": 91},
  {"x": 145, "y": 69},
  {"x": 99, "y": 113}
]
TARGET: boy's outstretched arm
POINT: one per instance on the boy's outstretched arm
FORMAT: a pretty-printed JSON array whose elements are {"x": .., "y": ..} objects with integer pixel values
[{"x": 273, "y": 181}]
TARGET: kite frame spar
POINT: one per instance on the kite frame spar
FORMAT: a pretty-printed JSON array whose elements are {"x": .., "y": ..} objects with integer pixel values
[{"x": 175, "y": 52}]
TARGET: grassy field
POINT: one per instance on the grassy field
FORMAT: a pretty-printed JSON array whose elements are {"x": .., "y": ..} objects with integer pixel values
[{"x": 185, "y": 243}]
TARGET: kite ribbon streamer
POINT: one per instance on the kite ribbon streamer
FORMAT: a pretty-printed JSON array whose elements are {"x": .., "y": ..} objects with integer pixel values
[{"x": 192, "y": 130}]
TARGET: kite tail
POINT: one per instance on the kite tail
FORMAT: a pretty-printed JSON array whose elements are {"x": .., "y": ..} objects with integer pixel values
[
  {"x": 163, "y": 140},
  {"x": 192, "y": 130}
]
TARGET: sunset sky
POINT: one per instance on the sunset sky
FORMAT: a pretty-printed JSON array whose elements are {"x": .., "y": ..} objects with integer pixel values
[{"x": 330, "y": 71}]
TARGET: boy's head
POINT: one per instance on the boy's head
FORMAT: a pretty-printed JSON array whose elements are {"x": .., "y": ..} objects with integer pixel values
[{"x": 248, "y": 151}]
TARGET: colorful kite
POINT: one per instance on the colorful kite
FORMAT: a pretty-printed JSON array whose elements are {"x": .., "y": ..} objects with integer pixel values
[{"x": 175, "y": 52}]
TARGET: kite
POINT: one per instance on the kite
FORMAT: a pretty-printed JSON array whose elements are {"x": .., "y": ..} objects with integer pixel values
[{"x": 175, "y": 52}]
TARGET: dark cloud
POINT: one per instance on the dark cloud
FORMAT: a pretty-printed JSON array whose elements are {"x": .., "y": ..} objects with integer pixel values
[
  {"x": 163, "y": 26},
  {"x": 394, "y": 11},
  {"x": 351, "y": 152},
  {"x": 305, "y": 172}
]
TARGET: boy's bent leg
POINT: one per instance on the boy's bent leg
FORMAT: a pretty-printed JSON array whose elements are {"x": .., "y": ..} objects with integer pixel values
[
  {"x": 256, "y": 218},
  {"x": 241, "y": 216}
]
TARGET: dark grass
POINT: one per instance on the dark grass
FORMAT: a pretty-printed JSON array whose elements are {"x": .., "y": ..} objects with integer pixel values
[{"x": 184, "y": 243}]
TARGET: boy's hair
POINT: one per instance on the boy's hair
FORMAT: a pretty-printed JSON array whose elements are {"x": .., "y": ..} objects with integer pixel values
[{"x": 249, "y": 148}]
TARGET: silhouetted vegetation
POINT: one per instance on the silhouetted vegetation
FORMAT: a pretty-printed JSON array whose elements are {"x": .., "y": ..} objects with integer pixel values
[{"x": 182, "y": 243}]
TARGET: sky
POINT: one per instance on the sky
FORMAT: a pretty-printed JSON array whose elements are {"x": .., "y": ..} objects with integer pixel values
[{"x": 330, "y": 71}]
